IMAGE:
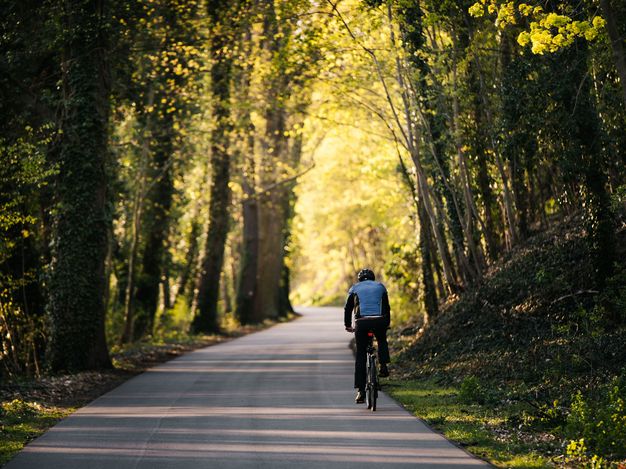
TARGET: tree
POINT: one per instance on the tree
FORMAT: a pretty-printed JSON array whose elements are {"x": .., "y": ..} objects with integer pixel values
[
  {"x": 77, "y": 281},
  {"x": 205, "y": 303},
  {"x": 163, "y": 85}
]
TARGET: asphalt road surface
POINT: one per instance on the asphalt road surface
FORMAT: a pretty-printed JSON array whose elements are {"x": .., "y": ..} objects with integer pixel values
[{"x": 280, "y": 398}]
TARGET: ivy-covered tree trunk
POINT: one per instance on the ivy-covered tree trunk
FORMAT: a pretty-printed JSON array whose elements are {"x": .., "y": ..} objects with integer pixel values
[
  {"x": 208, "y": 284},
  {"x": 77, "y": 281},
  {"x": 459, "y": 218}
]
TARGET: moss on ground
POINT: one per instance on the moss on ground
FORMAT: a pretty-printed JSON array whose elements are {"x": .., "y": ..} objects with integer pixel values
[{"x": 22, "y": 421}]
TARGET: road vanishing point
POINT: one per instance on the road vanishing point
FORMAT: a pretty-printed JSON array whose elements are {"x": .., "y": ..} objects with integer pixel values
[{"x": 279, "y": 398}]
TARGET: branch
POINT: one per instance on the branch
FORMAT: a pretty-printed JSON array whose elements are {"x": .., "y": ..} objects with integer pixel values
[
  {"x": 277, "y": 184},
  {"x": 571, "y": 295},
  {"x": 372, "y": 54}
]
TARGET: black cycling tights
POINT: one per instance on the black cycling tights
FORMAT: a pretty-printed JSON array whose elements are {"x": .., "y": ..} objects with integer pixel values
[{"x": 378, "y": 325}]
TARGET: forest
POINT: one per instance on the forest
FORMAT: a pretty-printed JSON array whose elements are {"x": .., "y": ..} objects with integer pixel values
[{"x": 176, "y": 167}]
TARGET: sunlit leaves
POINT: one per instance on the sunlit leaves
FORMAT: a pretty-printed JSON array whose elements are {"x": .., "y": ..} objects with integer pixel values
[
  {"x": 546, "y": 32},
  {"x": 353, "y": 205}
]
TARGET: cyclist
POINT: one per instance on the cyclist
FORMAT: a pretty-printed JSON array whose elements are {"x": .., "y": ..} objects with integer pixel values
[{"x": 370, "y": 303}]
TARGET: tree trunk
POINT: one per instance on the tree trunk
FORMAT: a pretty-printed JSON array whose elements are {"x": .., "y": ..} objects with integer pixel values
[
  {"x": 424, "y": 193},
  {"x": 136, "y": 217},
  {"x": 284, "y": 303},
  {"x": 587, "y": 138},
  {"x": 206, "y": 302},
  {"x": 271, "y": 197},
  {"x": 509, "y": 212},
  {"x": 517, "y": 139},
  {"x": 77, "y": 281},
  {"x": 156, "y": 220},
  {"x": 271, "y": 218},
  {"x": 245, "y": 310},
  {"x": 426, "y": 248},
  {"x": 428, "y": 282},
  {"x": 433, "y": 117},
  {"x": 190, "y": 260}
]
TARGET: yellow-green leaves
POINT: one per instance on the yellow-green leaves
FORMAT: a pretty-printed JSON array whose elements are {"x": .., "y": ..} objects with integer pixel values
[
  {"x": 552, "y": 32},
  {"x": 547, "y": 32}
]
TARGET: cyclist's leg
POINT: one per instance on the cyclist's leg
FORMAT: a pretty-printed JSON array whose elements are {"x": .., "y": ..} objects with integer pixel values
[
  {"x": 380, "y": 331},
  {"x": 360, "y": 335}
]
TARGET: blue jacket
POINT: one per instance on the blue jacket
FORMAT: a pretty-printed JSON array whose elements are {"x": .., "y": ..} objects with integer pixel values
[{"x": 367, "y": 298}]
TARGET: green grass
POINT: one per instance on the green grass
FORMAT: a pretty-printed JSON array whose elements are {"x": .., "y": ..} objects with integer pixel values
[
  {"x": 21, "y": 422},
  {"x": 482, "y": 429}
]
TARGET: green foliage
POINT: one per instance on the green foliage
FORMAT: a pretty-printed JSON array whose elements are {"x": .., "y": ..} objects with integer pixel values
[
  {"x": 401, "y": 267},
  {"x": 175, "y": 321},
  {"x": 577, "y": 454},
  {"x": 24, "y": 172},
  {"x": 539, "y": 416},
  {"x": 618, "y": 203},
  {"x": 19, "y": 409},
  {"x": 596, "y": 424},
  {"x": 471, "y": 392}
]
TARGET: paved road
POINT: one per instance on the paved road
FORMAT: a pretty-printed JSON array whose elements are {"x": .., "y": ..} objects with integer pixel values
[{"x": 280, "y": 398}]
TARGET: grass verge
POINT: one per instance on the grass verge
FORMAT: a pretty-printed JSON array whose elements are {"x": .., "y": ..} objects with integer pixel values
[{"x": 482, "y": 429}]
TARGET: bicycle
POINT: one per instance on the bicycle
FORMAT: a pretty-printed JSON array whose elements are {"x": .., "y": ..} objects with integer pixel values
[{"x": 371, "y": 384}]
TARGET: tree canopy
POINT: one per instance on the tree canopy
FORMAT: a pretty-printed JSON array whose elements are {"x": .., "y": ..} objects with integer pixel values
[{"x": 175, "y": 166}]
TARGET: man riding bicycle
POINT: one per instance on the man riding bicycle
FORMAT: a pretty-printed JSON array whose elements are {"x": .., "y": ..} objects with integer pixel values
[{"x": 370, "y": 303}]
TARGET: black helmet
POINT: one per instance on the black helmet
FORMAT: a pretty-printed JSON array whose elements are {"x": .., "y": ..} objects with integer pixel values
[{"x": 366, "y": 274}]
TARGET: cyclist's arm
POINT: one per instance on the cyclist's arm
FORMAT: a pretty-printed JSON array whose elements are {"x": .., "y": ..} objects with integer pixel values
[
  {"x": 386, "y": 309},
  {"x": 347, "y": 310}
]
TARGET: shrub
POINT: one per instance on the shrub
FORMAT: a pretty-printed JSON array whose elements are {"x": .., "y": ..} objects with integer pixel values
[
  {"x": 471, "y": 391},
  {"x": 599, "y": 422}
]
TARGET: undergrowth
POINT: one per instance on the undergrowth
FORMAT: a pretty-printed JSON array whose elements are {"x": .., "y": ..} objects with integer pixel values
[{"x": 538, "y": 346}]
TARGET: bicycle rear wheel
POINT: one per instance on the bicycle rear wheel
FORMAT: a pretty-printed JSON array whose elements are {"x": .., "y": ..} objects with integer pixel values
[{"x": 372, "y": 386}]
